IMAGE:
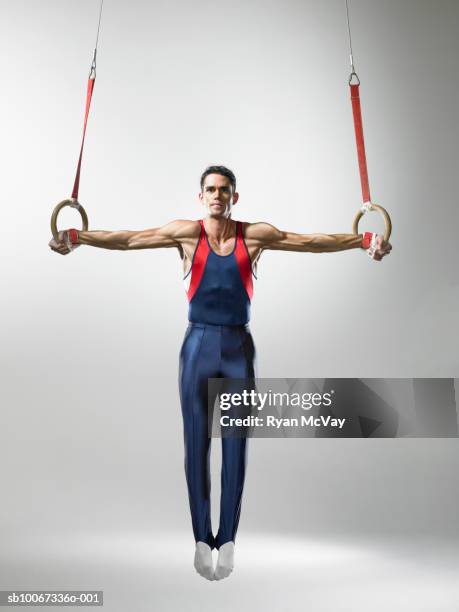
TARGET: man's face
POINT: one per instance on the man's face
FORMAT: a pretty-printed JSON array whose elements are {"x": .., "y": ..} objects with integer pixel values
[{"x": 217, "y": 196}]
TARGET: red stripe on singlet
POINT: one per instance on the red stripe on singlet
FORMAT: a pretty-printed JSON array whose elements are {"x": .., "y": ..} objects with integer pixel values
[
  {"x": 243, "y": 262},
  {"x": 199, "y": 263}
]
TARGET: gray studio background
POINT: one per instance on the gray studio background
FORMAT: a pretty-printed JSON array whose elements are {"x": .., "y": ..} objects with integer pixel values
[{"x": 91, "y": 430}]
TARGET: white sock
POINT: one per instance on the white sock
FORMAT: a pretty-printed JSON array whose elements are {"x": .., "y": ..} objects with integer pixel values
[
  {"x": 203, "y": 560},
  {"x": 225, "y": 561}
]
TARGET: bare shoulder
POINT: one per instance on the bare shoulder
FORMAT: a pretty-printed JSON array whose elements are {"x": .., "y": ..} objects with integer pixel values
[{"x": 261, "y": 232}]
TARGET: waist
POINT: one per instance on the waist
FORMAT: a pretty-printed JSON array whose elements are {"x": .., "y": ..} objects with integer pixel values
[{"x": 212, "y": 327}]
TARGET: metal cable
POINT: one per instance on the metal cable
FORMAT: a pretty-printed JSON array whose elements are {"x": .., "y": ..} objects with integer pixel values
[
  {"x": 351, "y": 57},
  {"x": 92, "y": 74}
]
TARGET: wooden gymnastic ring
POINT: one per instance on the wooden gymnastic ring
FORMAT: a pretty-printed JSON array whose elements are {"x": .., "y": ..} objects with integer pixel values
[
  {"x": 73, "y": 204},
  {"x": 385, "y": 215}
]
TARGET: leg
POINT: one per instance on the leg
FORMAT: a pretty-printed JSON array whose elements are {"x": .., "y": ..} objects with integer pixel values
[
  {"x": 238, "y": 361},
  {"x": 234, "y": 461},
  {"x": 196, "y": 362},
  {"x": 199, "y": 359}
]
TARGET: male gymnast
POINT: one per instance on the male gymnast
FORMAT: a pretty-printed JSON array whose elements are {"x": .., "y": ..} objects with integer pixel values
[{"x": 219, "y": 258}]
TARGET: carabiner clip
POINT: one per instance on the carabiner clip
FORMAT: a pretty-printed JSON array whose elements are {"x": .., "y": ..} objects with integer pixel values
[
  {"x": 351, "y": 76},
  {"x": 92, "y": 72}
]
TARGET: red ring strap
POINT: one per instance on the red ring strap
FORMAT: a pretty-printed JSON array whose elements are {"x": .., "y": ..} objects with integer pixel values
[
  {"x": 76, "y": 184},
  {"x": 357, "y": 112}
]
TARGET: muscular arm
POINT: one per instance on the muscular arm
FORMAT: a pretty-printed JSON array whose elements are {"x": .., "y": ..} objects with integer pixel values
[
  {"x": 169, "y": 235},
  {"x": 266, "y": 236},
  {"x": 180, "y": 234}
]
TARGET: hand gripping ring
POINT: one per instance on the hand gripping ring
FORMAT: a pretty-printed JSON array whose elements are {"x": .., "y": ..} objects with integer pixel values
[
  {"x": 382, "y": 211},
  {"x": 56, "y": 211}
]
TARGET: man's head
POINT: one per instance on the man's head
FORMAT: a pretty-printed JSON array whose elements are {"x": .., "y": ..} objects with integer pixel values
[{"x": 218, "y": 191}]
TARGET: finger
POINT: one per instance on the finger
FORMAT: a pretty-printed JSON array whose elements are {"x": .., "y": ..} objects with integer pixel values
[{"x": 60, "y": 250}]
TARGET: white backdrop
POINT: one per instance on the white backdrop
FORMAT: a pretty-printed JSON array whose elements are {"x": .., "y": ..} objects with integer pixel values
[{"x": 91, "y": 423}]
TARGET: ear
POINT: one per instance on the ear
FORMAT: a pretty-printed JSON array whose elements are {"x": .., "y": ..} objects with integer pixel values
[
  {"x": 235, "y": 198},
  {"x": 200, "y": 196}
]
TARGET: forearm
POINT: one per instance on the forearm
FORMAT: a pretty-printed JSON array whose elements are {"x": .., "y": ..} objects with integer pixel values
[
  {"x": 105, "y": 240},
  {"x": 314, "y": 243},
  {"x": 329, "y": 243}
]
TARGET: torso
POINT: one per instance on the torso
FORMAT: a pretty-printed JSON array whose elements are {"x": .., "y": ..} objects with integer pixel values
[
  {"x": 219, "y": 281},
  {"x": 223, "y": 248}
]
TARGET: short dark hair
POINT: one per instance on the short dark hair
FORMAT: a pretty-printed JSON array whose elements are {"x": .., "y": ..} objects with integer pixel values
[{"x": 223, "y": 170}]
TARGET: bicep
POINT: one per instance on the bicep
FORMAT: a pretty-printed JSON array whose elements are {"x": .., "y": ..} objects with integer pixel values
[
  {"x": 271, "y": 238},
  {"x": 166, "y": 236},
  {"x": 290, "y": 241}
]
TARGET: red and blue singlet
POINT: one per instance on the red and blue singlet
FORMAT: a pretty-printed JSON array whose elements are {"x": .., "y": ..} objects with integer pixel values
[{"x": 220, "y": 287}]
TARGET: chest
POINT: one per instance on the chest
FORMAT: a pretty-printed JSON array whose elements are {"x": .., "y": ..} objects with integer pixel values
[{"x": 222, "y": 248}]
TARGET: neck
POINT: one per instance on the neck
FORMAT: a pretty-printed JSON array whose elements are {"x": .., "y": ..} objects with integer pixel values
[{"x": 219, "y": 228}]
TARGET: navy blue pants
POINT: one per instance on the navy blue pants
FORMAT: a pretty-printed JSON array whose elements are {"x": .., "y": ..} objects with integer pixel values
[{"x": 213, "y": 351}]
